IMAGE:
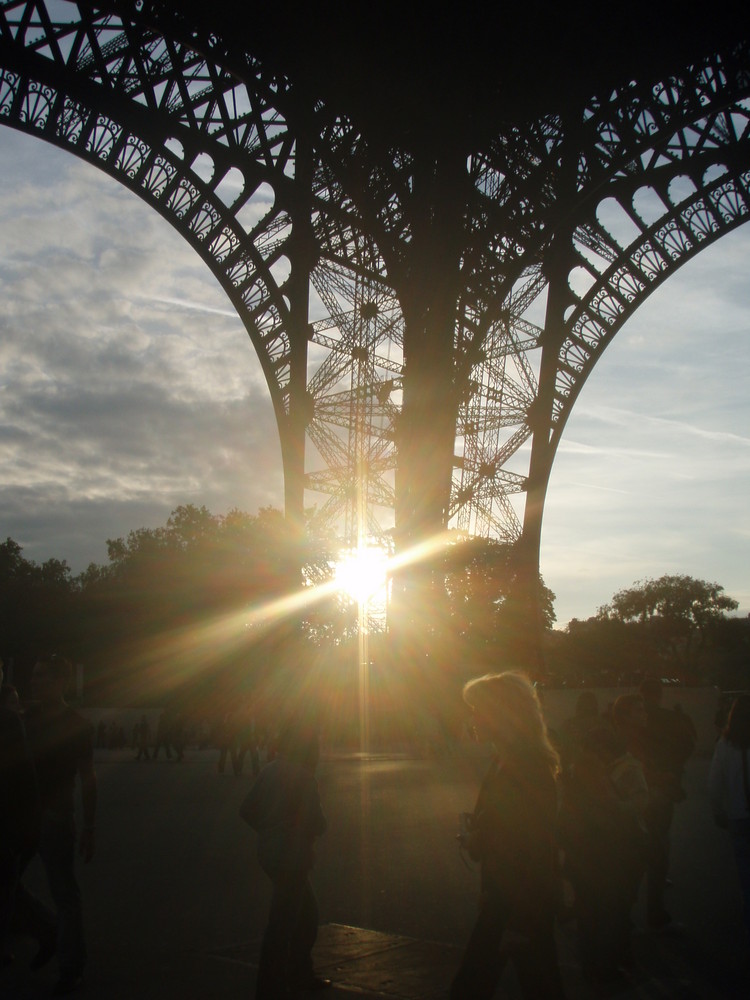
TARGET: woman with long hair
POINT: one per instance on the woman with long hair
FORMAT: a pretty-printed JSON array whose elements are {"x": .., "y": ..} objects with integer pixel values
[
  {"x": 511, "y": 833},
  {"x": 729, "y": 788}
]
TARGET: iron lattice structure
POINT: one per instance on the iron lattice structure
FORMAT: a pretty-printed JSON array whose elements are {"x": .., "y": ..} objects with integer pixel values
[{"x": 426, "y": 300}]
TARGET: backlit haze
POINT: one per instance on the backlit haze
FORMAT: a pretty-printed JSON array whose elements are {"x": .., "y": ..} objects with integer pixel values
[{"x": 128, "y": 386}]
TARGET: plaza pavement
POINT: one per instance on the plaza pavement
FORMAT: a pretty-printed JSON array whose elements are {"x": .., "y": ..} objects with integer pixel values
[{"x": 175, "y": 902}]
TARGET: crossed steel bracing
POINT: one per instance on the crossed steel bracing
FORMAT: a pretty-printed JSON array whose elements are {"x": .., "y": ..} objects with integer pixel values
[{"x": 567, "y": 224}]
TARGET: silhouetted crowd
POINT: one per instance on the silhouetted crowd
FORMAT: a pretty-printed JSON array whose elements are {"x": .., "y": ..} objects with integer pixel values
[
  {"x": 234, "y": 733},
  {"x": 567, "y": 825},
  {"x": 591, "y": 805},
  {"x": 622, "y": 776}
]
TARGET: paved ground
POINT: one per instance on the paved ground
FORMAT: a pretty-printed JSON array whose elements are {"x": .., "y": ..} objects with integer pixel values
[{"x": 175, "y": 901}]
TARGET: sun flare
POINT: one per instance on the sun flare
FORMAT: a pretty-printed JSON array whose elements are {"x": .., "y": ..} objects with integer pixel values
[{"x": 361, "y": 574}]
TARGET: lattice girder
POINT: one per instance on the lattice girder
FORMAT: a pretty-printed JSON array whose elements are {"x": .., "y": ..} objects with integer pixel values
[
  {"x": 133, "y": 138},
  {"x": 678, "y": 235},
  {"x": 202, "y": 130}
]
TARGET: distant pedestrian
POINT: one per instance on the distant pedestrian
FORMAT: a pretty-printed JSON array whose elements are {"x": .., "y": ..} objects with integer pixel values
[
  {"x": 178, "y": 733},
  {"x": 62, "y": 747},
  {"x": 163, "y": 735},
  {"x": 225, "y": 740},
  {"x": 512, "y": 834},
  {"x": 142, "y": 738},
  {"x": 247, "y": 741},
  {"x": 729, "y": 787},
  {"x": 283, "y": 806}
]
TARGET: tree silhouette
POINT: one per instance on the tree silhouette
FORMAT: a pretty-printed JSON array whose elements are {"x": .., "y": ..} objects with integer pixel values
[
  {"x": 678, "y": 614},
  {"x": 39, "y": 609}
]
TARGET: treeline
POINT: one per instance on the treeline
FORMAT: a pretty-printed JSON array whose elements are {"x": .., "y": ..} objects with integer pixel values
[
  {"x": 213, "y": 604},
  {"x": 170, "y": 602},
  {"x": 675, "y": 626},
  {"x": 210, "y": 607}
]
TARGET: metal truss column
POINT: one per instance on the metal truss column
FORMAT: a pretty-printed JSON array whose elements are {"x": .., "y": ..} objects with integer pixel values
[
  {"x": 542, "y": 451},
  {"x": 428, "y": 290},
  {"x": 302, "y": 257},
  {"x": 429, "y": 297}
]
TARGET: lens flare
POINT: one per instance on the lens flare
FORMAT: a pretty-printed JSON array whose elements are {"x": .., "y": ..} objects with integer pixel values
[
  {"x": 187, "y": 651},
  {"x": 361, "y": 574}
]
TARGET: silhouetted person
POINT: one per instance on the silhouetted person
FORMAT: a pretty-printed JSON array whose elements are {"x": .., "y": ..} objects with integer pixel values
[
  {"x": 9, "y": 696},
  {"x": 20, "y": 911},
  {"x": 670, "y": 739},
  {"x": 512, "y": 834},
  {"x": 283, "y": 806},
  {"x": 629, "y": 719},
  {"x": 246, "y": 741},
  {"x": 61, "y": 743},
  {"x": 602, "y": 831},
  {"x": 163, "y": 735},
  {"x": 225, "y": 739},
  {"x": 729, "y": 788},
  {"x": 142, "y": 738},
  {"x": 19, "y": 814},
  {"x": 178, "y": 733},
  {"x": 574, "y": 730}
]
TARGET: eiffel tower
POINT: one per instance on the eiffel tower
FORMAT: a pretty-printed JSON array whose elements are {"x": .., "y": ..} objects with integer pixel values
[{"x": 431, "y": 224}]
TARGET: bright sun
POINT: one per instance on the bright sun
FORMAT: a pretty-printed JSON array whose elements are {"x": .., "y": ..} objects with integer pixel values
[{"x": 362, "y": 573}]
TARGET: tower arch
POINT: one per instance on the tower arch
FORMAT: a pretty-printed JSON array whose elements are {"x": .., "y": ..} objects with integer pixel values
[
  {"x": 468, "y": 274},
  {"x": 684, "y": 186}
]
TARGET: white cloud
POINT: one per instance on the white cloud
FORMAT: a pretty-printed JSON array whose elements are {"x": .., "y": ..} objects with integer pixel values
[{"x": 127, "y": 383}]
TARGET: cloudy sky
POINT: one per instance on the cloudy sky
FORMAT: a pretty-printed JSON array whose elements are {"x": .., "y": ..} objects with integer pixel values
[{"x": 128, "y": 386}]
